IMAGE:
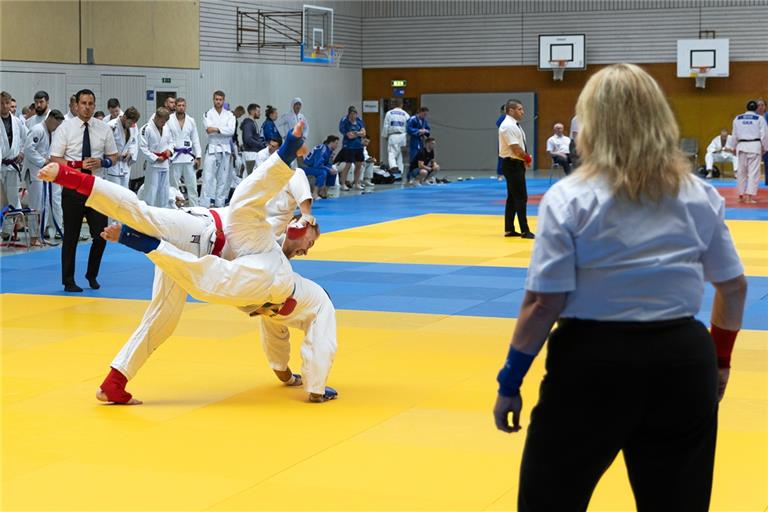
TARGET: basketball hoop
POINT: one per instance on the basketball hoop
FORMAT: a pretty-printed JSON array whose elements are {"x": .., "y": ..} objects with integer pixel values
[
  {"x": 700, "y": 74},
  {"x": 558, "y": 69},
  {"x": 334, "y": 54}
]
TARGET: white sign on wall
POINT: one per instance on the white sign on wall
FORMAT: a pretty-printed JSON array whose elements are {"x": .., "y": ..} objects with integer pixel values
[{"x": 370, "y": 106}]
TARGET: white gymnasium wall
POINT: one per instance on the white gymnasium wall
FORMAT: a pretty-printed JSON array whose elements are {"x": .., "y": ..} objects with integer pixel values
[{"x": 505, "y": 32}]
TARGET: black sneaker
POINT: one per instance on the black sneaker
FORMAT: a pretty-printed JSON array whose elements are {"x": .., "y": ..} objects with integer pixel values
[
  {"x": 511, "y": 233},
  {"x": 528, "y": 236}
]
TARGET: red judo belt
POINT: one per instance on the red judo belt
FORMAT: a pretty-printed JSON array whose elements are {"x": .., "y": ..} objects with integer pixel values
[{"x": 218, "y": 245}]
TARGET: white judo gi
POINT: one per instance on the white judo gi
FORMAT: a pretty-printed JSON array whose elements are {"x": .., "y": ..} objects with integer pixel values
[
  {"x": 261, "y": 273},
  {"x": 10, "y": 171},
  {"x": 216, "y": 166},
  {"x": 186, "y": 147},
  {"x": 127, "y": 152},
  {"x": 716, "y": 153},
  {"x": 750, "y": 135},
  {"x": 37, "y": 151},
  {"x": 394, "y": 129},
  {"x": 152, "y": 141}
]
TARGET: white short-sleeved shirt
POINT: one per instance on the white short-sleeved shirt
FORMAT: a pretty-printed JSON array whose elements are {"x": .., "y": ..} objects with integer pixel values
[
  {"x": 67, "y": 140},
  {"x": 625, "y": 261},
  {"x": 559, "y": 144},
  {"x": 510, "y": 132}
]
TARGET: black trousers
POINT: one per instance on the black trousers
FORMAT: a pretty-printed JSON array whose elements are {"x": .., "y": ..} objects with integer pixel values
[
  {"x": 565, "y": 163},
  {"x": 648, "y": 389},
  {"x": 74, "y": 209},
  {"x": 517, "y": 195}
]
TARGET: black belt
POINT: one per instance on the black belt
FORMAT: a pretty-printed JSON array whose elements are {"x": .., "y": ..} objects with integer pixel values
[{"x": 749, "y": 140}]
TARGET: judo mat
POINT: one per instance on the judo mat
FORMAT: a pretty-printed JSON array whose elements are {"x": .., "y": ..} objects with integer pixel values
[{"x": 427, "y": 292}]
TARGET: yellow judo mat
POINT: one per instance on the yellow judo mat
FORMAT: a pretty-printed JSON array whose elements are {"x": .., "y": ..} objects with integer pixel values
[{"x": 412, "y": 429}]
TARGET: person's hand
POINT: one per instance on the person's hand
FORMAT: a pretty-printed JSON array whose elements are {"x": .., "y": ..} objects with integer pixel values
[
  {"x": 362, "y": 132},
  {"x": 504, "y": 406},
  {"x": 422, "y": 131},
  {"x": 111, "y": 233},
  {"x": 48, "y": 172},
  {"x": 722, "y": 381},
  {"x": 211, "y": 130},
  {"x": 20, "y": 158},
  {"x": 91, "y": 163},
  {"x": 197, "y": 163}
]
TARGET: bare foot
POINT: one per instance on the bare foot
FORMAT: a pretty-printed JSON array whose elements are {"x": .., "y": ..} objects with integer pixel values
[
  {"x": 297, "y": 132},
  {"x": 102, "y": 397},
  {"x": 49, "y": 172},
  {"x": 111, "y": 233}
]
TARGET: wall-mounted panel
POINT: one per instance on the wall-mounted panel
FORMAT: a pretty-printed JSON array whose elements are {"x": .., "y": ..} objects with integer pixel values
[{"x": 20, "y": 40}]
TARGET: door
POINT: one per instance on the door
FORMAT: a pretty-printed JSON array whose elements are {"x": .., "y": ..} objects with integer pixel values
[{"x": 130, "y": 91}]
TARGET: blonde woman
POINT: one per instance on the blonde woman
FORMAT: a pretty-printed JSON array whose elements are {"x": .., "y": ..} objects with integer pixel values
[{"x": 625, "y": 245}]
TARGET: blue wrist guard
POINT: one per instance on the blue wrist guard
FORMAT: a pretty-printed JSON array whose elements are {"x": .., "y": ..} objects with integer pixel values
[
  {"x": 290, "y": 147},
  {"x": 106, "y": 163},
  {"x": 511, "y": 376},
  {"x": 137, "y": 241}
]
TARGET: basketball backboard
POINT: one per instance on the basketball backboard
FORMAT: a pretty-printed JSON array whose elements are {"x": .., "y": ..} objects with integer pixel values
[
  {"x": 567, "y": 48},
  {"x": 317, "y": 34},
  {"x": 702, "y": 57}
]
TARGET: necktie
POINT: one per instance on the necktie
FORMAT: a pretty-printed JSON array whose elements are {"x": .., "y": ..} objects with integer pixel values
[
  {"x": 525, "y": 146},
  {"x": 86, "y": 143}
]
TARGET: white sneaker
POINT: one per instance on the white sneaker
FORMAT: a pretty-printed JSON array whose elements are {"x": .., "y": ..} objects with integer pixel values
[
  {"x": 358, "y": 187},
  {"x": 345, "y": 188},
  {"x": 368, "y": 183}
]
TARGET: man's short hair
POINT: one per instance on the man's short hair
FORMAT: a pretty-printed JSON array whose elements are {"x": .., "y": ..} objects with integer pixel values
[
  {"x": 132, "y": 113},
  {"x": 751, "y": 105},
  {"x": 56, "y": 114},
  {"x": 41, "y": 95},
  {"x": 278, "y": 139},
  {"x": 162, "y": 113},
  {"x": 423, "y": 109},
  {"x": 113, "y": 103},
  {"x": 5, "y": 96},
  {"x": 73, "y": 99},
  {"x": 561, "y": 125},
  {"x": 330, "y": 139},
  {"x": 84, "y": 92},
  {"x": 180, "y": 100},
  {"x": 25, "y": 110},
  {"x": 252, "y": 107},
  {"x": 219, "y": 93},
  {"x": 429, "y": 139},
  {"x": 99, "y": 113},
  {"x": 513, "y": 103}
]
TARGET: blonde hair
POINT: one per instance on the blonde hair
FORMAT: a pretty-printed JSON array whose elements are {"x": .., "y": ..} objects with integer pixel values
[{"x": 629, "y": 136}]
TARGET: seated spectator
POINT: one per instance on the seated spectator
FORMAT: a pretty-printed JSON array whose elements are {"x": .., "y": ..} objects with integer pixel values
[
  {"x": 318, "y": 164},
  {"x": 720, "y": 150},
  {"x": 423, "y": 166},
  {"x": 559, "y": 148},
  {"x": 368, "y": 164},
  {"x": 272, "y": 145}
]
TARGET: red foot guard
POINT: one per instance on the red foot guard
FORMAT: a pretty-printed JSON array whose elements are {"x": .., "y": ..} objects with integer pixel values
[{"x": 114, "y": 387}]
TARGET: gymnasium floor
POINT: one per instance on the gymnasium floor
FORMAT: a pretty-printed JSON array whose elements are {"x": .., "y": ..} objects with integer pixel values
[{"x": 427, "y": 292}]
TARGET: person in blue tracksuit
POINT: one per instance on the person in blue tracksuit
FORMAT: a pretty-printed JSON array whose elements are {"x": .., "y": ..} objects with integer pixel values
[
  {"x": 418, "y": 130},
  {"x": 761, "y": 111},
  {"x": 352, "y": 131},
  {"x": 269, "y": 130},
  {"x": 318, "y": 164},
  {"x": 498, "y": 162}
]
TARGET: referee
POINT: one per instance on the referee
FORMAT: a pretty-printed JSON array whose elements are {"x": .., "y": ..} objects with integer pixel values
[
  {"x": 514, "y": 159},
  {"x": 88, "y": 145},
  {"x": 625, "y": 245}
]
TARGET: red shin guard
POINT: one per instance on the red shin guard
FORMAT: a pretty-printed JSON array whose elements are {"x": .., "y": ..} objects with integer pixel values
[
  {"x": 114, "y": 387},
  {"x": 724, "y": 341},
  {"x": 73, "y": 179}
]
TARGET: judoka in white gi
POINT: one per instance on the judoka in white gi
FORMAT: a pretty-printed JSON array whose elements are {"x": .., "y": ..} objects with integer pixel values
[
  {"x": 127, "y": 141},
  {"x": 219, "y": 124},
  {"x": 258, "y": 279},
  {"x": 394, "y": 129},
  {"x": 750, "y": 136},
  {"x": 156, "y": 146},
  {"x": 720, "y": 150},
  {"x": 186, "y": 151},
  {"x": 12, "y": 139},
  {"x": 37, "y": 152}
]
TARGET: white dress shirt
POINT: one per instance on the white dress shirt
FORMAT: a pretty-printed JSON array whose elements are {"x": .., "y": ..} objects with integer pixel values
[
  {"x": 67, "y": 140},
  {"x": 624, "y": 261},
  {"x": 510, "y": 132},
  {"x": 559, "y": 144}
]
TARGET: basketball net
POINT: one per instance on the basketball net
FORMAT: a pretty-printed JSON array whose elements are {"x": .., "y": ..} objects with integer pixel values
[
  {"x": 558, "y": 69},
  {"x": 700, "y": 74}
]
